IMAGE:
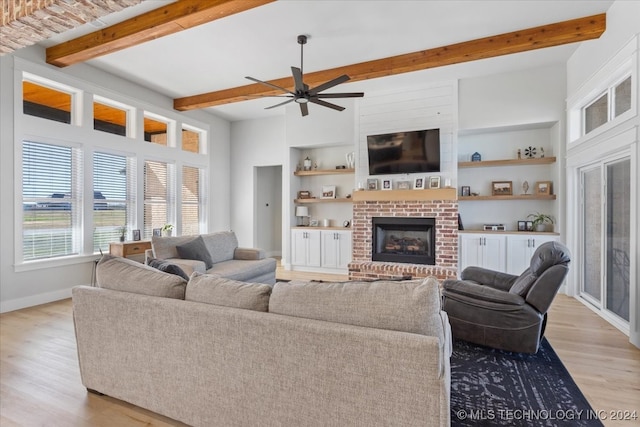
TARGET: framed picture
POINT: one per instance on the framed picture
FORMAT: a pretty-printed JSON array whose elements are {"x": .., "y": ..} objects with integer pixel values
[
  {"x": 522, "y": 225},
  {"x": 314, "y": 222},
  {"x": 372, "y": 184},
  {"x": 304, "y": 194},
  {"x": 328, "y": 191},
  {"x": 404, "y": 185},
  {"x": 529, "y": 225},
  {"x": 157, "y": 231},
  {"x": 434, "y": 182},
  {"x": 544, "y": 188},
  {"x": 387, "y": 184},
  {"x": 465, "y": 191},
  {"x": 136, "y": 235},
  {"x": 502, "y": 188},
  {"x": 418, "y": 183}
]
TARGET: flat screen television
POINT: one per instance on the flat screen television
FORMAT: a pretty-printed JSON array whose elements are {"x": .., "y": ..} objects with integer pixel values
[{"x": 404, "y": 152}]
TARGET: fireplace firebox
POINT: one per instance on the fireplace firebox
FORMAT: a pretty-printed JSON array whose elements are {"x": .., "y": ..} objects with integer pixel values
[{"x": 401, "y": 239}]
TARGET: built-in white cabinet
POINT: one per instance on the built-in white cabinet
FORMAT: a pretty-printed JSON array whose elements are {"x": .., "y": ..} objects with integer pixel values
[
  {"x": 305, "y": 248},
  {"x": 483, "y": 250},
  {"x": 336, "y": 248},
  {"x": 520, "y": 248},
  {"x": 510, "y": 253},
  {"x": 326, "y": 250}
]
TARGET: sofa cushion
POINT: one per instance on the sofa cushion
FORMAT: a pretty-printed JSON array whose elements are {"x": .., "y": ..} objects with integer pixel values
[
  {"x": 216, "y": 290},
  {"x": 121, "y": 274},
  {"x": 168, "y": 267},
  {"x": 408, "y": 306},
  {"x": 242, "y": 270},
  {"x": 195, "y": 249},
  {"x": 523, "y": 283},
  {"x": 221, "y": 245},
  {"x": 164, "y": 247}
]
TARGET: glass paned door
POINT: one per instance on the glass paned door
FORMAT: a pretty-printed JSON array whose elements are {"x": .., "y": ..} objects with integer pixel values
[
  {"x": 618, "y": 235},
  {"x": 592, "y": 232}
]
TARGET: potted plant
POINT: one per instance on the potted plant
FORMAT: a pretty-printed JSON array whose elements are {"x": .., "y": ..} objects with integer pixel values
[
  {"x": 540, "y": 221},
  {"x": 123, "y": 231},
  {"x": 167, "y": 229}
]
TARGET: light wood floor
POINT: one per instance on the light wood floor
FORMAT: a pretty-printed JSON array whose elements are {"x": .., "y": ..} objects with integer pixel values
[{"x": 40, "y": 382}]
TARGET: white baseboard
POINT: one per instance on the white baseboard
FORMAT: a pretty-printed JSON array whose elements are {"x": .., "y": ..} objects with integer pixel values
[{"x": 30, "y": 301}]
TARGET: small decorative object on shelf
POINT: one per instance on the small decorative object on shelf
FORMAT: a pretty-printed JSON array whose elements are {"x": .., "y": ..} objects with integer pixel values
[
  {"x": 502, "y": 188},
  {"x": 519, "y": 154},
  {"x": 135, "y": 235},
  {"x": 418, "y": 183},
  {"x": 447, "y": 183},
  {"x": 123, "y": 231},
  {"x": 372, "y": 184},
  {"x": 542, "y": 152},
  {"x": 494, "y": 227},
  {"x": 476, "y": 157},
  {"x": 465, "y": 191},
  {"x": 544, "y": 188},
  {"x": 434, "y": 182},
  {"x": 307, "y": 164},
  {"x": 522, "y": 225},
  {"x": 540, "y": 221},
  {"x": 525, "y": 188},
  {"x": 314, "y": 223},
  {"x": 167, "y": 230},
  {"x": 387, "y": 184},
  {"x": 328, "y": 191},
  {"x": 351, "y": 160},
  {"x": 530, "y": 152},
  {"x": 157, "y": 232},
  {"x": 404, "y": 185},
  {"x": 346, "y": 223},
  {"x": 304, "y": 194}
]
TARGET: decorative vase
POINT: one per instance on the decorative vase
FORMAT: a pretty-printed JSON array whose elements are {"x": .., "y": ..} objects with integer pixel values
[
  {"x": 541, "y": 227},
  {"x": 122, "y": 238}
]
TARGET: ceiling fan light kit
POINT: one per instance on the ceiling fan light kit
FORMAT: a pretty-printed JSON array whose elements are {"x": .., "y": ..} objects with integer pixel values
[{"x": 302, "y": 95}]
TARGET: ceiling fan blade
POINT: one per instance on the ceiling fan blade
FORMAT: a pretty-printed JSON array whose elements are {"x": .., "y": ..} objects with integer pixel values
[
  {"x": 340, "y": 95},
  {"x": 297, "y": 78},
  {"x": 304, "y": 109},
  {"x": 282, "y": 103},
  {"x": 331, "y": 83},
  {"x": 326, "y": 104},
  {"x": 270, "y": 85}
]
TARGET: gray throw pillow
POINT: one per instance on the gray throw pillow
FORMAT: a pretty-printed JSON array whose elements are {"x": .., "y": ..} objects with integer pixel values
[
  {"x": 168, "y": 267},
  {"x": 122, "y": 274},
  {"x": 196, "y": 249},
  {"x": 217, "y": 290}
]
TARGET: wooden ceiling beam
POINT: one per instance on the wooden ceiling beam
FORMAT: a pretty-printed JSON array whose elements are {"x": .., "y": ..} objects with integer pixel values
[
  {"x": 154, "y": 24},
  {"x": 572, "y": 31}
]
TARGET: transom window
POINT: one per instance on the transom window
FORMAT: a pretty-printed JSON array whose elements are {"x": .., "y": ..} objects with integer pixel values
[{"x": 615, "y": 101}]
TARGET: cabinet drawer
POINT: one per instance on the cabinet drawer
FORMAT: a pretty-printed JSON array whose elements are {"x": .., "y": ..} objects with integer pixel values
[{"x": 126, "y": 249}]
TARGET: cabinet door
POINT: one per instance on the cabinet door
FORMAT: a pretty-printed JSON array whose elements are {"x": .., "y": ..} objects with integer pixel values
[
  {"x": 520, "y": 249},
  {"x": 494, "y": 252},
  {"x": 344, "y": 249},
  {"x": 298, "y": 247},
  {"x": 470, "y": 250},
  {"x": 313, "y": 248}
]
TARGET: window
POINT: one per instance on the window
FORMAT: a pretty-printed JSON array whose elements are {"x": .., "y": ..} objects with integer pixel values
[
  {"x": 112, "y": 202},
  {"x": 156, "y": 196},
  {"x": 190, "y": 200},
  {"x": 622, "y": 96},
  {"x": 191, "y": 140},
  {"x": 49, "y": 200},
  {"x": 109, "y": 118},
  {"x": 155, "y": 129},
  {"x": 45, "y": 102},
  {"x": 606, "y": 107}
]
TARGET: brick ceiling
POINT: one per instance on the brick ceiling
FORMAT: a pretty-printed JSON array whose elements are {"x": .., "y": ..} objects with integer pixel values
[{"x": 26, "y": 22}]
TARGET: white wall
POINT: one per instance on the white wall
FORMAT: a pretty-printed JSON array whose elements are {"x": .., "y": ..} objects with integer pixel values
[
  {"x": 254, "y": 143},
  {"x": 584, "y": 68},
  {"x": 54, "y": 280}
]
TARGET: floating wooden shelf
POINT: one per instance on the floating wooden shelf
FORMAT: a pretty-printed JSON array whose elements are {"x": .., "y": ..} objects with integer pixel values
[
  {"x": 507, "y": 162},
  {"x": 324, "y": 172},
  {"x": 515, "y": 197},
  {"x": 338, "y": 200}
]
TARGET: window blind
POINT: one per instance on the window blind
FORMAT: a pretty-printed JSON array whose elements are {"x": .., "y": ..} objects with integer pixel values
[
  {"x": 190, "y": 200},
  {"x": 110, "y": 196},
  {"x": 156, "y": 196}
]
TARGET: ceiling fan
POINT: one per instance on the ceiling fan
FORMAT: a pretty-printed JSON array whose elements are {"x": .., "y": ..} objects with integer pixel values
[{"x": 302, "y": 94}]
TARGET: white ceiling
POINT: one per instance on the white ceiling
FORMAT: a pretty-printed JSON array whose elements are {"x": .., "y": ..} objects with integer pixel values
[{"x": 262, "y": 43}]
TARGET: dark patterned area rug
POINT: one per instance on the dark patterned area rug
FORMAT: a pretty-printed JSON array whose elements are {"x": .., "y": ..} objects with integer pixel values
[{"x": 499, "y": 388}]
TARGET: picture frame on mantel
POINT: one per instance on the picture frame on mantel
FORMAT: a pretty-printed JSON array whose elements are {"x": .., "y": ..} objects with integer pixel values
[
  {"x": 434, "y": 182},
  {"x": 372, "y": 184},
  {"x": 404, "y": 185},
  {"x": 418, "y": 183}
]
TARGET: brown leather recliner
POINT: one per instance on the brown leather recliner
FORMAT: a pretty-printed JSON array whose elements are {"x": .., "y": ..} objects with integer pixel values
[{"x": 504, "y": 311}]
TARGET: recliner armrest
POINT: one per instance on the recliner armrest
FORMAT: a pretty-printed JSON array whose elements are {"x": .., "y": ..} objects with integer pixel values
[
  {"x": 478, "y": 292},
  {"x": 248, "y": 254},
  {"x": 492, "y": 278}
]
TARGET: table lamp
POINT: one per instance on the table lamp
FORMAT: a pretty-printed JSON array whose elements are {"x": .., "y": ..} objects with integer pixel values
[{"x": 301, "y": 213}]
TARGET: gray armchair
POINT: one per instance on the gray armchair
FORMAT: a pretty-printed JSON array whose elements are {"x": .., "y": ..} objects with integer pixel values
[{"x": 502, "y": 310}]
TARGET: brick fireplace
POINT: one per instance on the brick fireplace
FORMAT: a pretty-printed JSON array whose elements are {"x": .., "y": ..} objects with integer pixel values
[{"x": 441, "y": 205}]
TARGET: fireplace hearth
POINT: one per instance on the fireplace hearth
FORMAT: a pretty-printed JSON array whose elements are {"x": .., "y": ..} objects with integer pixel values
[{"x": 404, "y": 240}]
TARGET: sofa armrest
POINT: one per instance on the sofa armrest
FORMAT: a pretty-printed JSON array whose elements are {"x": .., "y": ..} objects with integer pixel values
[
  {"x": 471, "y": 291},
  {"x": 492, "y": 278},
  {"x": 248, "y": 254}
]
